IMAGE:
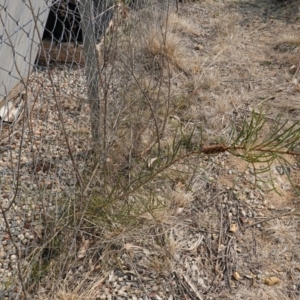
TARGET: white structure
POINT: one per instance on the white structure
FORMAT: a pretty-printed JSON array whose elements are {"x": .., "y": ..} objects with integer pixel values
[{"x": 20, "y": 22}]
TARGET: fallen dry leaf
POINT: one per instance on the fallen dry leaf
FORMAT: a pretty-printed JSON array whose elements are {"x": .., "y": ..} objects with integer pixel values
[
  {"x": 234, "y": 228},
  {"x": 84, "y": 247},
  {"x": 288, "y": 257},
  {"x": 175, "y": 118},
  {"x": 146, "y": 216},
  {"x": 236, "y": 276},
  {"x": 151, "y": 161},
  {"x": 178, "y": 211},
  {"x": 199, "y": 47},
  {"x": 179, "y": 186},
  {"x": 232, "y": 284},
  {"x": 271, "y": 280},
  {"x": 129, "y": 246}
]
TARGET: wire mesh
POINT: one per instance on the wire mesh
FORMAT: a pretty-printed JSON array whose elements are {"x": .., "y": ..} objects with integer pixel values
[{"x": 45, "y": 111}]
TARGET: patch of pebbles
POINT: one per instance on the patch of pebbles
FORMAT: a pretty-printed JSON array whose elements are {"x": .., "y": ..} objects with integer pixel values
[
  {"x": 207, "y": 254},
  {"x": 35, "y": 167},
  {"x": 43, "y": 167}
]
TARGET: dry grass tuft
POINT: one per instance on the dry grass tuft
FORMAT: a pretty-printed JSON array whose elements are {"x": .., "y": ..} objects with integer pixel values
[
  {"x": 288, "y": 51},
  {"x": 283, "y": 231},
  {"x": 183, "y": 26},
  {"x": 288, "y": 44},
  {"x": 85, "y": 289},
  {"x": 181, "y": 198},
  {"x": 164, "y": 49},
  {"x": 263, "y": 292}
]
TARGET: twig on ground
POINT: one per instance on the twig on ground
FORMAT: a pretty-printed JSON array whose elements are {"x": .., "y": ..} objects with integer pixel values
[
  {"x": 192, "y": 286},
  {"x": 92, "y": 177},
  {"x": 271, "y": 218}
]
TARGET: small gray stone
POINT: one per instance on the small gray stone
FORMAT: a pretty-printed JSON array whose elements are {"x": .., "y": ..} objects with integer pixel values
[
  {"x": 21, "y": 237},
  {"x": 13, "y": 257}
]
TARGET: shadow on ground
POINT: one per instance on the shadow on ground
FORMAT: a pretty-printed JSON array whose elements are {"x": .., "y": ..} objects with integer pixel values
[{"x": 266, "y": 10}]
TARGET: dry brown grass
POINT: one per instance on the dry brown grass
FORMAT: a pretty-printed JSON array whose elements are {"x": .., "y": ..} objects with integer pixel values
[
  {"x": 167, "y": 47},
  {"x": 86, "y": 289},
  {"x": 174, "y": 228}
]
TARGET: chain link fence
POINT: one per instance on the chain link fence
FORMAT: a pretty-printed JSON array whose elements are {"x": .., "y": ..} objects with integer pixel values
[
  {"x": 66, "y": 75},
  {"x": 43, "y": 87},
  {"x": 72, "y": 78},
  {"x": 101, "y": 126}
]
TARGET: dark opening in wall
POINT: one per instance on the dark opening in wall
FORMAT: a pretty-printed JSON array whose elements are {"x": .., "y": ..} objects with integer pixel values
[{"x": 64, "y": 21}]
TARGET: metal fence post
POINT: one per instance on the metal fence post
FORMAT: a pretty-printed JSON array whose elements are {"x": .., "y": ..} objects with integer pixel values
[{"x": 91, "y": 67}]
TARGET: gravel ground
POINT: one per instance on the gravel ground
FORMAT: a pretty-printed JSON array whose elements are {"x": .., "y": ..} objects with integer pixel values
[
  {"x": 45, "y": 178},
  {"x": 37, "y": 163},
  {"x": 222, "y": 240},
  {"x": 229, "y": 240}
]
